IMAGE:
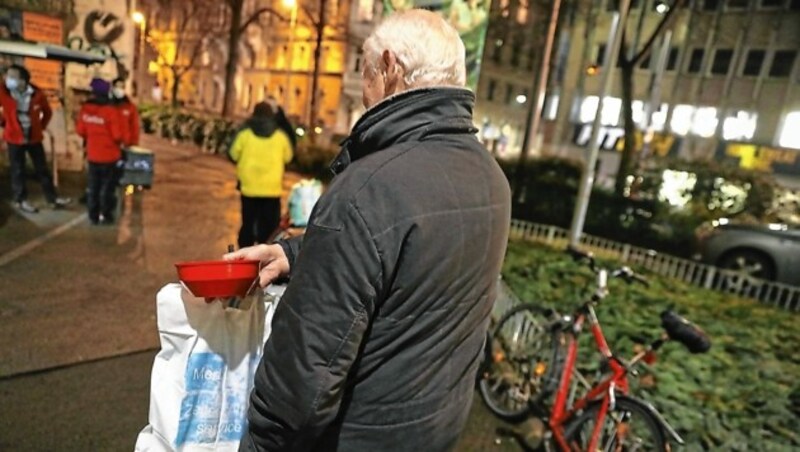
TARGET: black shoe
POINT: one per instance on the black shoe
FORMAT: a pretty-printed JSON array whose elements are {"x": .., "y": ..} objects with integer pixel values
[{"x": 107, "y": 220}]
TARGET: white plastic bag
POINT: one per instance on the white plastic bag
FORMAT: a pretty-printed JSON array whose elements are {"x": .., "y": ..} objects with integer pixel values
[{"x": 203, "y": 375}]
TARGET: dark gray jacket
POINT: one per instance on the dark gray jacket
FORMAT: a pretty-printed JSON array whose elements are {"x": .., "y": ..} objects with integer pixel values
[{"x": 376, "y": 342}]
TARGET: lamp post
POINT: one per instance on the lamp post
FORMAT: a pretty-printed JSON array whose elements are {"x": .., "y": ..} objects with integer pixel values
[
  {"x": 139, "y": 19},
  {"x": 290, "y": 69}
]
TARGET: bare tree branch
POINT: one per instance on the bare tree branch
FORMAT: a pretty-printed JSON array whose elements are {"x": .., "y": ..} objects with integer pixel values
[
  {"x": 665, "y": 23},
  {"x": 310, "y": 15},
  {"x": 257, "y": 15}
]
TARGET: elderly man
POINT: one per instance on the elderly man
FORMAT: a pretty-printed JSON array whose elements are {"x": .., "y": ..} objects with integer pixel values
[{"x": 376, "y": 342}]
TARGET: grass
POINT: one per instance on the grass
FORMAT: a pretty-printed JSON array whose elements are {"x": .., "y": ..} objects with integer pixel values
[{"x": 742, "y": 395}]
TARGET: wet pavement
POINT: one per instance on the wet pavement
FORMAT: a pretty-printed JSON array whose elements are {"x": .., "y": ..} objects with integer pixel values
[{"x": 77, "y": 305}]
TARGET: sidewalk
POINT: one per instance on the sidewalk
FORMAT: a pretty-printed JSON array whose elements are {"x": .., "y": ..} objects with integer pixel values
[{"x": 89, "y": 292}]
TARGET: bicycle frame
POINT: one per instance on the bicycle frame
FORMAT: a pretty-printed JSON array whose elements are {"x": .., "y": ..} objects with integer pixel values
[{"x": 604, "y": 391}]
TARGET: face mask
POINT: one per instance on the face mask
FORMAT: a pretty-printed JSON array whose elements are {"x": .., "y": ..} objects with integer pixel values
[
  {"x": 12, "y": 83},
  {"x": 119, "y": 93}
]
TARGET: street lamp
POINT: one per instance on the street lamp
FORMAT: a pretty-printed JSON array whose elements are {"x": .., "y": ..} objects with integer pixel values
[
  {"x": 139, "y": 19},
  {"x": 521, "y": 99},
  {"x": 290, "y": 70}
]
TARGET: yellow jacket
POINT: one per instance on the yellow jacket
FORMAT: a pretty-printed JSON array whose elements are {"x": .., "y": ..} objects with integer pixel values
[{"x": 260, "y": 162}]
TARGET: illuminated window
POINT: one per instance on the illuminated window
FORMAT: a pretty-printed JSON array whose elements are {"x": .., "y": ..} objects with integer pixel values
[
  {"x": 790, "y": 132},
  {"x": 739, "y": 127},
  {"x": 365, "y": 10},
  {"x": 705, "y": 122},
  {"x": 638, "y": 112},
  {"x": 681, "y": 119},
  {"x": 551, "y": 106},
  {"x": 522, "y": 12},
  {"x": 659, "y": 118},
  {"x": 612, "y": 106},
  {"x": 588, "y": 109}
]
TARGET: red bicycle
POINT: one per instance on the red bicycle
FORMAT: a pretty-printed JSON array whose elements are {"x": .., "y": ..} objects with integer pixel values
[{"x": 606, "y": 417}]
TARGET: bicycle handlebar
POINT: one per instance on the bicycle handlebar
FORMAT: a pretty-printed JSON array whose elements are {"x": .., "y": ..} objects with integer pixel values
[
  {"x": 629, "y": 276},
  {"x": 581, "y": 255},
  {"x": 625, "y": 273}
]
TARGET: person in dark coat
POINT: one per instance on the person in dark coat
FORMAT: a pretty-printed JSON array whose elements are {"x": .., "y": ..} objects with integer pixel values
[
  {"x": 376, "y": 342},
  {"x": 283, "y": 122}
]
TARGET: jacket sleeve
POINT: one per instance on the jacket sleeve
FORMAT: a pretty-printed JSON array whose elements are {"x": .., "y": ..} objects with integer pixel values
[
  {"x": 316, "y": 337},
  {"x": 235, "y": 152},
  {"x": 134, "y": 126},
  {"x": 47, "y": 112},
  {"x": 287, "y": 149},
  {"x": 114, "y": 118},
  {"x": 80, "y": 126},
  {"x": 291, "y": 247}
]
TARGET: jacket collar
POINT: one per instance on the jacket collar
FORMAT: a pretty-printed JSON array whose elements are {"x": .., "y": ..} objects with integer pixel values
[{"x": 408, "y": 116}]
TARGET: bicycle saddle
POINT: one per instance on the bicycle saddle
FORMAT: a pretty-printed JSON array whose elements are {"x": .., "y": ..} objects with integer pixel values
[{"x": 681, "y": 330}]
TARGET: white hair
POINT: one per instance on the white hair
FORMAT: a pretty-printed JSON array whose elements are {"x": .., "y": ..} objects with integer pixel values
[{"x": 426, "y": 47}]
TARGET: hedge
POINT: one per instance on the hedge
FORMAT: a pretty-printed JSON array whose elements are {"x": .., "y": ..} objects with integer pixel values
[{"x": 743, "y": 395}]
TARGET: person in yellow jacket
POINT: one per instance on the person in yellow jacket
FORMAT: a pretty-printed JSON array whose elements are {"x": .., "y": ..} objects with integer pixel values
[{"x": 261, "y": 151}]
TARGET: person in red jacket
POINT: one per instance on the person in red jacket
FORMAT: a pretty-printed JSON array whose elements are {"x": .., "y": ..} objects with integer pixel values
[
  {"x": 128, "y": 113},
  {"x": 24, "y": 116},
  {"x": 99, "y": 125}
]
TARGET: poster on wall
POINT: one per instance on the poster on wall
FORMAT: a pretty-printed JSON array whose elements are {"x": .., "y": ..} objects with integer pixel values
[
  {"x": 44, "y": 73},
  {"x": 469, "y": 17}
]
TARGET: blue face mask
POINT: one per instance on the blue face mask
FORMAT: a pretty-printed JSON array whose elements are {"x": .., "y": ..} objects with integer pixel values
[{"x": 12, "y": 83}]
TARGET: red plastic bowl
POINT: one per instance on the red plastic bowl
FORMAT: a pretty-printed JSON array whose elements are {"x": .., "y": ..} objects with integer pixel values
[{"x": 218, "y": 279}]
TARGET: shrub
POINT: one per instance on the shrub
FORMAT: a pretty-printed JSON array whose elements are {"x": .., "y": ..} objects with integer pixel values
[
  {"x": 743, "y": 395},
  {"x": 644, "y": 218}
]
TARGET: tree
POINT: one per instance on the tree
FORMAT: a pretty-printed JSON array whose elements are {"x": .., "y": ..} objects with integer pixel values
[
  {"x": 630, "y": 57},
  {"x": 179, "y": 44},
  {"x": 236, "y": 27}
]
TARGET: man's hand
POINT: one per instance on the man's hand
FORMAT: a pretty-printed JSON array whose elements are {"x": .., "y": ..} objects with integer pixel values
[{"x": 273, "y": 259}]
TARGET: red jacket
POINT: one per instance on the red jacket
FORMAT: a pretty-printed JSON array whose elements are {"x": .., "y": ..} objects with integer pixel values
[
  {"x": 39, "y": 112},
  {"x": 100, "y": 125},
  {"x": 130, "y": 121}
]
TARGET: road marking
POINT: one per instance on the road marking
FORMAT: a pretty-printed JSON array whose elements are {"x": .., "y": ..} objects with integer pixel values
[{"x": 20, "y": 251}]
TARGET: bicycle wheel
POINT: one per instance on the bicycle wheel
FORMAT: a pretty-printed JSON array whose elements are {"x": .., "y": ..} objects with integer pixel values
[
  {"x": 628, "y": 427},
  {"x": 523, "y": 362}
]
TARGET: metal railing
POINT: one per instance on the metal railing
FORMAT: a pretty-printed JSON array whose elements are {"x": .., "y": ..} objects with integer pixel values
[{"x": 695, "y": 273}]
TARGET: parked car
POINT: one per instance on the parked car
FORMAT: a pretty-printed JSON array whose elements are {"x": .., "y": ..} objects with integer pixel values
[{"x": 770, "y": 252}]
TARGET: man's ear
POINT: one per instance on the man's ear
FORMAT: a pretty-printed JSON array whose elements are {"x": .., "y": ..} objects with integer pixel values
[{"x": 393, "y": 76}]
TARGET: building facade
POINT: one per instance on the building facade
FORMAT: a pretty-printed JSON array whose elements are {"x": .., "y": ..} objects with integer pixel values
[
  {"x": 276, "y": 57},
  {"x": 729, "y": 88}
]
